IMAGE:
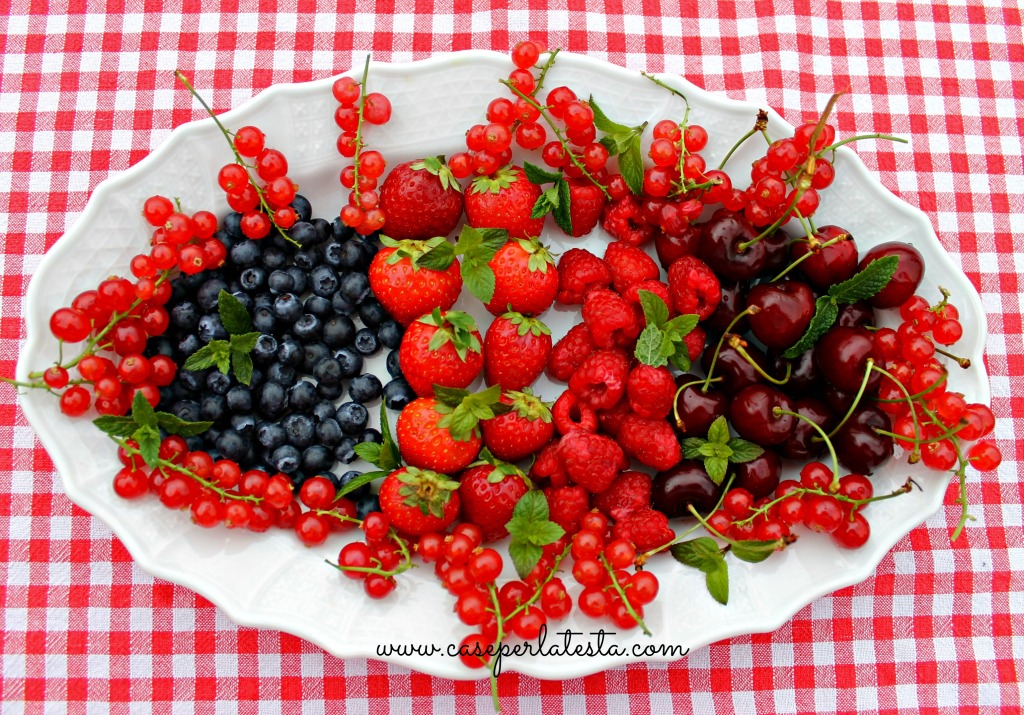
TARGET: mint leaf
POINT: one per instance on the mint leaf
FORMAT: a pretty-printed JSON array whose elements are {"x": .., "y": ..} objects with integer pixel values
[
  {"x": 359, "y": 481},
  {"x": 680, "y": 326},
  {"x": 148, "y": 439},
  {"x": 438, "y": 258},
  {"x": 142, "y": 411},
  {"x": 115, "y": 425},
  {"x": 825, "y": 314},
  {"x": 602, "y": 122},
  {"x": 717, "y": 581},
  {"x": 692, "y": 447},
  {"x": 233, "y": 315},
  {"x": 525, "y": 556},
  {"x": 755, "y": 551},
  {"x": 545, "y": 203},
  {"x": 241, "y": 365},
  {"x": 172, "y": 424},
  {"x": 244, "y": 342},
  {"x": 703, "y": 554},
  {"x": 655, "y": 310},
  {"x": 868, "y": 282},
  {"x": 716, "y": 467},
  {"x": 648, "y": 347},
  {"x": 562, "y": 212},
  {"x": 681, "y": 359},
  {"x": 530, "y": 529},
  {"x": 531, "y": 508},
  {"x": 743, "y": 451},
  {"x": 719, "y": 431},
  {"x": 370, "y": 451},
  {"x": 538, "y": 175},
  {"x": 631, "y": 166}
]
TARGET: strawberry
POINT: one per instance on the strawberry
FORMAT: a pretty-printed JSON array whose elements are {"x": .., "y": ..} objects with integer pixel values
[
  {"x": 629, "y": 492},
  {"x": 516, "y": 350},
  {"x": 489, "y": 490},
  {"x": 428, "y": 444},
  {"x": 586, "y": 203},
  {"x": 441, "y": 349},
  {"x": 411, "y": 278},
  {"x": 418, "y": 501},
  {"x": 505, "y": 200},
  {"x": 646, "y": 528},
  {"x": 521, "y": 431},
  {"x": 525, "y": 279},
  {"x": 576, "y": 204},
  {"x": 421, "y": 199}
]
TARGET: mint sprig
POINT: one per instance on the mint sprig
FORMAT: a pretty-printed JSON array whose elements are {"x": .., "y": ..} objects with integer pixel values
[
  {"x": 463, "y": 411},
  {"x": 704, "y": 555},
  {"x": 478, "y": 246},
  {"x": 531, "y": 530},
  {"x": 144, "y": 424},
  {"x": 624, "y": 142},
  {"x": 231, "y": 354},
  {"x": 720, "y": 450},
  {"x": 555, "y": 199},
  {"x": 385, "y": 456},
  {"x": 663, "y": 340}
]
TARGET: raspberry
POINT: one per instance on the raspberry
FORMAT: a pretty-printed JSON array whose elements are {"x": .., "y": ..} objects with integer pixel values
[
  {"x": 548, "y": 465},
  {"x": 659, "y": 288},
  {"x": 629, "y": 492},
  {"x": 650, "y": 442},
  {"x": 611, "y": 419},
  {"x": 567, "y": 506},
  {"x": 610, "y": 319},
  {"x": 651, "y": 391},
  {"x": 571, "y": 414},
  {"x": 600, "y": 380},
  {"x": 694, "y": 287},
  {"x": 646, "y": 528},
  {"x": 695, "y": 342},
  {"x": 623, "y": 219},
  {"x": 579, "y": 271},
  {"x": 591, "y": 460},
  {"x": 569, "y": 352},
  {"x": 629, "y": 265}
]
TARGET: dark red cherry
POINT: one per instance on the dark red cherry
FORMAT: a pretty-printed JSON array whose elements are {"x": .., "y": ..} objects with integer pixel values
[
  {"x": 906, "y": 278},
  {"x": 806, "y": 443},
  {"x": 697, "y": 409},
  {"x": 826, "y": 266},
  {"x": 842, "y": 355},
  {"x": 785, "y": 311},
  {"x": 751, "y": 413},
  {"x": 804, "y": 375},
  {"x": 669, "y": 248},
  {"x": 839, "y": 401},
  {"x": 776, "y": 252},
  {"x": 719, "y": 247},
  {"x": 860, "y": 448},
  {"x": 734, "y": 369},
  {"x": 732, "y": 303},
  {"x": 856, "y": 315},
  {"x": 685, "y": 483},
  {"x": 760, "y": 475}
]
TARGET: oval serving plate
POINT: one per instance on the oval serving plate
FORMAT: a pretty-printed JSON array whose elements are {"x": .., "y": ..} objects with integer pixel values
[{"x": 270, "y": 580}]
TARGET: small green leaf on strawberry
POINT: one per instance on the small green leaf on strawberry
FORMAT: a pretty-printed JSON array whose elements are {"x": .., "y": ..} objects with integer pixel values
[
  {"x": 502, "y": 468},
  {"x": 426, "y": 490},
  {"x": 526, "y": 325},
  {"x": 453, "y": 327},
  {"x": 477, "y": 247},
  {"x": 531, "y": 530},
  {"x": 464, "y": 410},
  {"x": 437, "y": 166}
]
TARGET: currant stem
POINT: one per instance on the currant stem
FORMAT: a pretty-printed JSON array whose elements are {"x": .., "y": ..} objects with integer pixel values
[
  {"x": 834, "y": 486},
  {"x": 622, "y": 594},
  {"x": 735, "y": 147},
  {"x": 961, "y": 473},
  {"x": 961, "y": 361},
  {"x": 671, "y": 89},
  {"x": 918, "y": 395},
  {"x": 818, "y": 491},
  {"x": 915, "y": 455},
  {"x": 359, "y": 125}
]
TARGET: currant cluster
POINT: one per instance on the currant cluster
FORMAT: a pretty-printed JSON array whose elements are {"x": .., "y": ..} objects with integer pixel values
[
  {"x": 355, "y": 105},
  {"x": 376, "y": 560},
  {"x": 262, "y": 206}
]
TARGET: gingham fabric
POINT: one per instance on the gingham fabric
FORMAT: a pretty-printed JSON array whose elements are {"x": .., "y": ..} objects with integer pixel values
[{"x": 87, "y": 91}]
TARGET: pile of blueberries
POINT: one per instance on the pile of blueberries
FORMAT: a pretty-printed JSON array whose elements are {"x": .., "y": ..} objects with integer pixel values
[{"x": 319, "y": 323}]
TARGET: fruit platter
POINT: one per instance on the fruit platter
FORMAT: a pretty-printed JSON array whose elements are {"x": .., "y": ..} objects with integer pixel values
[{"x": 448, "y": 363}]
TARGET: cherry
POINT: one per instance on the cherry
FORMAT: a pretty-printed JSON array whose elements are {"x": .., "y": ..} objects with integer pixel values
[
  {"x": 786, "y": 309},
  {"x": 760, "y": 476},
  {"x": 827, "y": 265},
  {"x": 805, "y": 442},
  {"x": 696, "y": 408},
  {"x": 732, "y": 303},
  {"x": 720, "y": 240},
  {"x": 734, "y": 369},
  {"x": 858, "y": 446},
  {"x": 842, "y": 355},
  {"x": 904, "y": 281},
  {"x": 677, "y": 244},
  {"x": 776, "y": 245},
  {"x": 804, "y": 377},
  {"x": 686, "y": 483},
  {"x": 752, "y": 414}
]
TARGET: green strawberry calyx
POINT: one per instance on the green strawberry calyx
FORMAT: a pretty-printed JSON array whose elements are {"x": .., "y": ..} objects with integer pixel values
[
  {"x": 497, "y": 182},
  {"x": 528, "y": 406},
  {"x": 453, "y": 327},
  {"x": 526, "y": 325},
  {"x": 463, "y": 410},
  {"x": 426, "y": 490},
  {"x": 435, "y": 253},
  {"x": 436, "y": 165},
  {"x": 501, "y": 468},
  {"x": 540, "y": 257}
]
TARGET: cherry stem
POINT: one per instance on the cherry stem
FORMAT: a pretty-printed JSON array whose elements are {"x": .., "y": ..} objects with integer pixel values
[
  {"x": 760, "y": 124},
  {"x": 622, "y": 594},
  {"x": 642, "y": 558},
  {"x": 737, "y": 343},
  {"x": 915, "y": 455},
  {"x": 750, "y": 310},
  {"x": 814, "y": 244},
  {"x": 834, "y": 486},
  {"x": 675, "y": 404},
  {"x": 856, "y": 400}
]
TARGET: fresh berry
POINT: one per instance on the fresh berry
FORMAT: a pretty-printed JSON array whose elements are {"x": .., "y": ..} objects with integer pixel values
[
  {"x": 591, "y": 461},
  {"x": 570, "y": 352},
  {"x": 586, "y": 204},
  {"x": 624, "y": 220},
  {"x": 694, "y": 288},
  {"x": 651, "y": 391},
  {"x": 567, "y": 506},
  {"x": 579, "y": 271},
  {"x": 646, "y": 529},
  {"x": 651, "y": 442},
  {"x": 417, "y": 501},
  {"x": 525, "y": 278},
  {"x": 610, "y": 320},
  {"x": 429, "y": 438},
  {"x": 421, "y": 200},
  {"x": 600, "y": 380},
  {"x": 411, "y": 278},
  {"x": 570, "y": 414},
  {"x": 629, "y": 265},
  {"x": 505, "y": 200},
  {"x": 489, "y": 492},
  {"x": 520, "y": 432},
  {"x": 630, "y": 492},
  {"x": 441, "y": 349},
  {"x": 516, "y": 351}
]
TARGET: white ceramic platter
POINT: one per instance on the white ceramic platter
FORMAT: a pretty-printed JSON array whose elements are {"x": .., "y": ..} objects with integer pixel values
[{"x": 270, "y": 580}]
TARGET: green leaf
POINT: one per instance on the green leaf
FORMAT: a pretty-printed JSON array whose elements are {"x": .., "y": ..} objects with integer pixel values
[
  {"x": 241, "y": 365},
  {"x": 743, "y": 451},
  {"x": 438, "y": 258},
  {"x": 825, "y": 314},
  {"x": 148, "y": 438},
  {"x": 716, "y": 450},
  {"x": 563, "y": 210},
  {"x": 655, "y": 310},
  {"x": 142, "y": 411},
  {"x": 115, "y": 425},
  {"x": 370, "y": 451},
  {"x": 602, "y": 122},
  {"x": 616, "y": 143},
  {"x": 717, "y": 582},
  {"x": 681, "y": 359},
  {"x": 478, "y": 277},
  {"x": 716, "y": 467},
  {"x": 531, "y": 507},
  {"x": 545, "y": 203},
  {"x": 681, "y": 326},
  {"x": 360, "y": 480},
  {"x": 172, "y": 424},
  {"x": 545, "y": 532},
  {"x": 755, "y": 551},
  {"x": 701, "y": 553},
  {"x": 524, "y": 556},
  {"x": 868, "y": 282},
  {"x": 233, "y": 315},
  {"x": 631, "y": 166},
  {"x": 538, "y": 175},
  {"x": 204, "y": 357},
  {"x": 719, "y": 431},
  {"x": 244, "y": 342},
  {"x": 648, "y": 347},
  {"x": 692, "y": 447}
]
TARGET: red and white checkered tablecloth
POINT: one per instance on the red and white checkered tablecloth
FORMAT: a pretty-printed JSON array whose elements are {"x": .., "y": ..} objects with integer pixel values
[{"x": 87, "y": 90}]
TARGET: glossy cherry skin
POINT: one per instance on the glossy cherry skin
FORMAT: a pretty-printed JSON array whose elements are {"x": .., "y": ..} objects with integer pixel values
[
  {"x": 784, "y": 311},
  {"x": 842, "y": 355},
  {"x": 686, "y": 483},
  {"x": 856, "y": 315},
  {"x": 669, "y": 248},
  {"x": 859, "y": 447},
  {"x": 751, "y": 413},
  {"x": 904, "y": 281},
  {"x": 826, "y": 266},
  {"x": 732, "y": 303},
  {"x": 776, "y": 252},
  {"x": 719, "y": 248},
  {"x": 805, "y": 443},
  {"x": 695, "y": 408},
  {"x": 804, "y": 375},
  {"x": 736, "y": 372},
  {"x": 759, "y": 476}
]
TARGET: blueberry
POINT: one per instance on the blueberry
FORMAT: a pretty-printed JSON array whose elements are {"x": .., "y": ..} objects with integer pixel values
[
  {"x": 390, "y": 334},
  {"x": 281, "y": 374},
  {"x": 232, "y": 225},
  {"x": 185, "y": 316},
  {"x": 232, "y": 445},
  {"x": 338, "y": 331},
  {"x": 319, "y": 306},
  {"x": 209, "y": 293},
  {"x": 194, "y": 380},
  {"x": 370, "y": 435},
  {"x": 302, "y": 396},
  {"x": 366, "y": 504},
  {"x": 243, "y": 424},
  {"x": 303, "y": 233},
  {"x": 351, "y": 256},
  {"x": 346, "y": 451},
  {"x": 187, "y": 410},
  {"x": 316, "y": 459},
  {"x": 290, "y": 352},
  {"x": 324, "y": 410},
  {"x": 213, "y": 408},
  {"x": 257, "y": 379},
  {"x": 280, "y": 281},
  {"x": 398, "y": 394},
  {"x": 347, "y": 478},
  {"x": 299, "y": 278},
  {"x": 188, "y": 345},
  {"x": 287, "y": 307},
  {"x": 159, "y": 345},
  {"x": 351, "y": 361},
  {"x": 270, "y": 435},
  {"x": 274, "y": 257},
  {"x": 263, "y": 319},
  {"x": 323, "y": 230},
  {"x": 265, "y": 349},
  {"x": 286, "y": 458},
  {"x": 253, "y": 278},
  {"x": 312, "y": 353},
  {"x": 332, "y": 254},
  {"x": 218, "y": 383},
  {"x": 355, "y": 287},
  {"x": 328, "y": 372},
  {"x": 263, "y": 299},
  {"x": 394, "y": 368},
  {"x": 210, "y": 328},
  {"x": 324, "y": 281},
  {"x": 300, "y": 429},
  {"x": 245, "y": 254},
  {"x": 342, "y": 305},
  {"x": 306, "y": 258},
  {"x": 272, "y": 399},
  {"x": 303, "y": 209},
  {"x": 244, "y": 298},
  {"x": 372, "y": 313},
  {"x": 330, "y": 392},
  {"x": 366, "y": 342},
  {"x": 328, "y": 432},
  {"x": 352, "y": 417},
  {"x": 307, "y": 328},
  {"x": 365, "y": 388},
  {"x": 239, "y": 399},
  {"x": 341, "y": 231}
]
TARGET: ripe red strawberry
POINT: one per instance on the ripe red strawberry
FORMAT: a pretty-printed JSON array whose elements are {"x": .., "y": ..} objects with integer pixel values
[
  {"x": 411, "y": 278},
  {"x": 505, "y": 200},
  {"x": 646, "y": 528},
  {"x": 586, "y": 202},
  {"x": 629, "y": 492},
  {"x": 525, "y": 278},
  {"x": 421, "y": 199},
  {"x": 441, "y": 349},
  {"x": 428, "y": 444},
  {"x": 418, "y": 501},
  {"x": 521, "y": 431},
  {"x": 516, "y": 350},
  {"x": 567, "y": 506},
  {"x": 489, "y": 491}
]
